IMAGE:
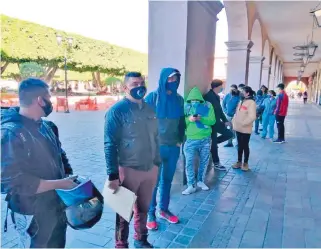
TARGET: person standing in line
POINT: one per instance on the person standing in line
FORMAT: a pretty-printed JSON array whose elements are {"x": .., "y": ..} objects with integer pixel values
[
  {"x": 281, "y": 110},
  {"x": 32, "y": 169},
  {"x": 229, "y": 105},
  {"x": 268, "y": 117},
  {"x": 240, "y": 87},
  {"x": 243, "y": 124},
  {"x": 305, "y": 97},
  {"x": 169, "y": 108},
  {"x": 132, "y": 156},
  {"x": 199, "y": 119},
  {"x": 221, "y": 122},
  {"x": 264, "y": 90},
  {"x": 259, "y": 101}
]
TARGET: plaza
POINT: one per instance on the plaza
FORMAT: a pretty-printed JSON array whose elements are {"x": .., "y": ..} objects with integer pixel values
[{"x": 276, "y": 204}]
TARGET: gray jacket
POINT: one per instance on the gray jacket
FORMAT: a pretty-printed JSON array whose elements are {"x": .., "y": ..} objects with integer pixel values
[{"x": 131, "y": 138}]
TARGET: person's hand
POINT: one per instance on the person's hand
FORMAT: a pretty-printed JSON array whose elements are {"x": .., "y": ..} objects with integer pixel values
[
  {"x": 192, "y": 118},
  {"x": 113, "y": 185},
  {"x": 198, "y": 118},
  {"x": 67, "y": 183}
]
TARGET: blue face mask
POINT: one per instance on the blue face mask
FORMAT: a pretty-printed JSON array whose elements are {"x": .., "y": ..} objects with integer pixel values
[
  {"x": 173, "y": 86},
  {"x": 138, "y": 92}
]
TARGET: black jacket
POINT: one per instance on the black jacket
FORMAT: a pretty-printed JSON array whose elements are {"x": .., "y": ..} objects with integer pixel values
[
  {"x": 214, "y": 99},
  {"x": 131, "y": 138},
  {"x": 30, "y": 151}
]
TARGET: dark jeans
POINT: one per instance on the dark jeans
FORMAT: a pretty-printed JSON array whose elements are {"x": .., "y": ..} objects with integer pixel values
[
  {"x": 243, "y": 140},
  {"x": 43, "y": 230},
  {"x": 226, "y": 134},
  {"x": 305, "y": 100},
  {"x": 280, "y": 125},
  {"x": 142, "y": 183},
  {"x": 169, "y": 155}
]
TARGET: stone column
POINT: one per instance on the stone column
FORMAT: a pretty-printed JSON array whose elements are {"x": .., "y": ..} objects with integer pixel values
[
  {"x": 255, "y": 71},
  {"x": 272, "y": 85},
  {"x": 237, "y": 62},
  {"x": 182, "y": 35},
  {"x": 265, "y": 75}
]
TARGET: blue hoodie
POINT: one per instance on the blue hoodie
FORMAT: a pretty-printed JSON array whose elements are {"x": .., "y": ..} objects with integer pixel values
[
  {"x": 230, "y": 103},
  {"x": 169, "y": 110}
]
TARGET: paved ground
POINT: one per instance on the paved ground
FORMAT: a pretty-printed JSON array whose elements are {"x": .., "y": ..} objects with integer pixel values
[{"x": 276, "y": 204}]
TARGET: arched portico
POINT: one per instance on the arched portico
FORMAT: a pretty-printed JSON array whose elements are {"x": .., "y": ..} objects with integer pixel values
[
  {"x": 239, "y": 44},
  {"x": 272, "y": 72},
  {"x": 256, "y": 58}
]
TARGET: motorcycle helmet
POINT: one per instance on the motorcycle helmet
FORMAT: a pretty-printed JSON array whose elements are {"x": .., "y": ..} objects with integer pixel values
[{"x": 84, "y": 204}]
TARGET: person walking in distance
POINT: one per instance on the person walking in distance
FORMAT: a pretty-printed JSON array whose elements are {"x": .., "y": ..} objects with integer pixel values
[
  {"x": 229, "y": 105},
  {"x": 281, "y": 110},
  {"x": 199, "y": 119},
  {"x": 32, "y": 169},
  {"x": 169, "y": 108},
  {"x": 305, "y": 97},
  {"x": 221, "y": 122},
  {"x": 132, "y": 156},
  {"x": 268, "y": 117},
  {"x": 243, "y": 124}
]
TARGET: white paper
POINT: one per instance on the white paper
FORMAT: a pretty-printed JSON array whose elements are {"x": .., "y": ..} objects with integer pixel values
[{"x": 122, "y": 202}]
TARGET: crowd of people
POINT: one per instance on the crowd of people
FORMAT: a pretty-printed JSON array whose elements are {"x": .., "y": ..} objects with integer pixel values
[{"x": 144, "y": 136}]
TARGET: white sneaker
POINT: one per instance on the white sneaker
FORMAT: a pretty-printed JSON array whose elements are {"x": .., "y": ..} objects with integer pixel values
[
  {"x": 203, "y": 186},
  {"x": 189, "y": 190}
]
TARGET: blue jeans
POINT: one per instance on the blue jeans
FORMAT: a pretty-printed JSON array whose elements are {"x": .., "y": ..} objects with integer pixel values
[
  {"x": 169, "y": 156},
  {"x": 268, "y": 121},
  {"x": 191, "y": 148}
]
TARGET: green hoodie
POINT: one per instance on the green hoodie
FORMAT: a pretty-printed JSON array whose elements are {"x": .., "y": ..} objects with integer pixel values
[{"x": 202, "y": 129}]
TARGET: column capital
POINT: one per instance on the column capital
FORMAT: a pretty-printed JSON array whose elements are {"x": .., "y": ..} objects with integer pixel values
[
  {"x": 256, "y": 59},
  {"x": 238, "y": 45},
  {"x": 212, "y": 7}
]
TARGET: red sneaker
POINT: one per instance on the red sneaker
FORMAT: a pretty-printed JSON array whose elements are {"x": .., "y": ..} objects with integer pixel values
[
  {"x": 168, "y": 216},
  {"x": 152, "y": 224}
]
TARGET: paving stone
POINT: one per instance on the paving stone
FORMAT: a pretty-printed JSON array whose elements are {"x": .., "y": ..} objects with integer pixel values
[
  {"x": 182, "y": 239},
  {"x": 189, "y": 231}
]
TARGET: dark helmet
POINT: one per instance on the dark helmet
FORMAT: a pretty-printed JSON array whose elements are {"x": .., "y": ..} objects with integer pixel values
[{"x": 84, "y": 204}]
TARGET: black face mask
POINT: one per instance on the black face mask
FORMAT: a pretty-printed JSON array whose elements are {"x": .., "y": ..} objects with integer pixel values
[{"x": 47, "y": 109}]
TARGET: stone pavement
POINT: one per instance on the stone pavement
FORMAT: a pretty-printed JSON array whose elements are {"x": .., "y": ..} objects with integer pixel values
[{"x": 276, "y": 204}]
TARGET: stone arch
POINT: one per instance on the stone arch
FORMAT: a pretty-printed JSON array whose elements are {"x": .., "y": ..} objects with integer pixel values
[
  {"x": 256, "y": 38},
  {"x": 237, "y": 20}
]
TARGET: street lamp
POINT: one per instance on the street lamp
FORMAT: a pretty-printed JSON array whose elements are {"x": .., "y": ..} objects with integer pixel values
[
  {"x": 69, "y": 40},
  {"x": 312, "y": 47},
  {"x": 316, "y": 17}
]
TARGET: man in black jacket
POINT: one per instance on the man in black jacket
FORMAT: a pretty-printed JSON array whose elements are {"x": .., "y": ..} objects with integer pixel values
[
  {"x": 221, "y": 124},
  {"x": 31, "y": 169},
  {"x": 132, "y": 156}
]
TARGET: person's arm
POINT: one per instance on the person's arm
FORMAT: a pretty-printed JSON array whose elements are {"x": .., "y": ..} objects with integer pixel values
[
  {"x": 112, "y": 124},
  {"x": 65, "y": 162},
  {"x": 14, "y": 169},
  {"x": 224, "y": 103},
  {"x": 157, "y": 159},
  {"x": 150, "y": 99},
  {"x": 210, "y": 119},
  {"x": 181, "y": 129},
  {"x": 251, "y": 117},
  {"x": 278, "y": 103}
]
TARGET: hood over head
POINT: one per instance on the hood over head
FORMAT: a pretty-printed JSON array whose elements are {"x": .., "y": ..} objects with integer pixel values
[
  {"x": 165, "y": 73},
  {"x": 195, "y": 94}
]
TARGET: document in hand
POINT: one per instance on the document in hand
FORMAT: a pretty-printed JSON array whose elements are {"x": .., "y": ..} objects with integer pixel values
[{"x": 122, "y": 202}]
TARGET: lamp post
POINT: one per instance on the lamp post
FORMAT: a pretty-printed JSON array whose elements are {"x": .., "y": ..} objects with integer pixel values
[{"x": 67, "y": 46}]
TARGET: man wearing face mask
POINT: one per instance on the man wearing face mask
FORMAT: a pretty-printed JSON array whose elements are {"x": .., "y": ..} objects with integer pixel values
[
  {"x": 221, "y": 124},
  {"x": 230, "y": 102},
  {"x": 132, "y": 156},
  {"x": 32, "y": 168},
  {"x": 169, "y": 108}
]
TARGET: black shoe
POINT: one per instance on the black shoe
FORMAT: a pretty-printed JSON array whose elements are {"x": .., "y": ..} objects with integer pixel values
[
  {"x": 279, "y": 141},
  {"x": 228, "y": 145},
  {"x": 142, "y": 244},
  {"x": 219, "y": 167}
]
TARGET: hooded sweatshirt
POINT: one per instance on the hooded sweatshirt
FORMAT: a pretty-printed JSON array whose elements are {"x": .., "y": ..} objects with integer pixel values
[
  {"x": 169, "y": 109},
  {"x": 29, "y": 152},
  {"x": 199, "y": 129}
]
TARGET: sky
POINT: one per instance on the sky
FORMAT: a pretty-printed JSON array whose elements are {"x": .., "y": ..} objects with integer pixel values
[{"x": 120, "y": 22}]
